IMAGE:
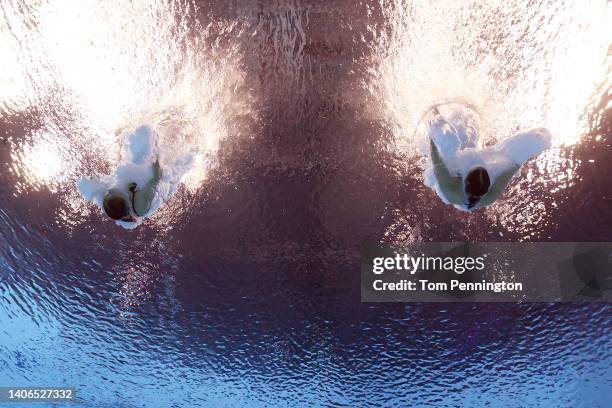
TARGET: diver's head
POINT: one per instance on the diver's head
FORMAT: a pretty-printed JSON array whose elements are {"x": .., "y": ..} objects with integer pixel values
[
  {"x": 115, "y": 206},
  {"x": 477, "y": 184}
]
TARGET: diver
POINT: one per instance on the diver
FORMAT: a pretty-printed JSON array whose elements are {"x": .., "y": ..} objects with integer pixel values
[
  {"x": 470, "y": 177},
  {"x": 126, "y": 204},
  {"x": 131, "y": 193}
]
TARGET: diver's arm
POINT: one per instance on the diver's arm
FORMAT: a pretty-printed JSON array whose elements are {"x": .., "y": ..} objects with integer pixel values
[
  {"x": 498, "y": 187},
  {"x": 144, "y": 196},
  {"x": 451, "y": 186},
  {"x": 519, "y": 148},
  {"x": 526, "y": 145}
]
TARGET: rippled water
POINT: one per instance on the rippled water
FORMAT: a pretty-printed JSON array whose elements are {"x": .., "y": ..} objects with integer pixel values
[{"x": 244, "y": 289}]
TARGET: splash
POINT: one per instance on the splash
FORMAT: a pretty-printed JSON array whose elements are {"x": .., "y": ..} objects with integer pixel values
[
  {"x": 522, "y": 65},
  {"x": 89, "y": 71}
]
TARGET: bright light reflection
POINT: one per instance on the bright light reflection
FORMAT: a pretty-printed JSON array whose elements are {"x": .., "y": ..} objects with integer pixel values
[
  {"x": 521, "y": 64},
  {"x": 43, "y": 161},
  {"x": 94, "y": 70}
]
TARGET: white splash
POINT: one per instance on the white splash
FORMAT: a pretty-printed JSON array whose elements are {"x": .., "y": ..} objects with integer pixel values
[{"x": 523, "y": 65}]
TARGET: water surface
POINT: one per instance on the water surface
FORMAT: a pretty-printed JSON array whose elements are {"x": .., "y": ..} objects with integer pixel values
[{"x": 244, "y": 289}]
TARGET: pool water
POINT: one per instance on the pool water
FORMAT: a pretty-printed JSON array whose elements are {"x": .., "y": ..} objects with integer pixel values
[{"x": 243, "y": 290}]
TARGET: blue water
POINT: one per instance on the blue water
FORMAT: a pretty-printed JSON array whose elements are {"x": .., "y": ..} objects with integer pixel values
[{"x": 243, "y": 290}]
